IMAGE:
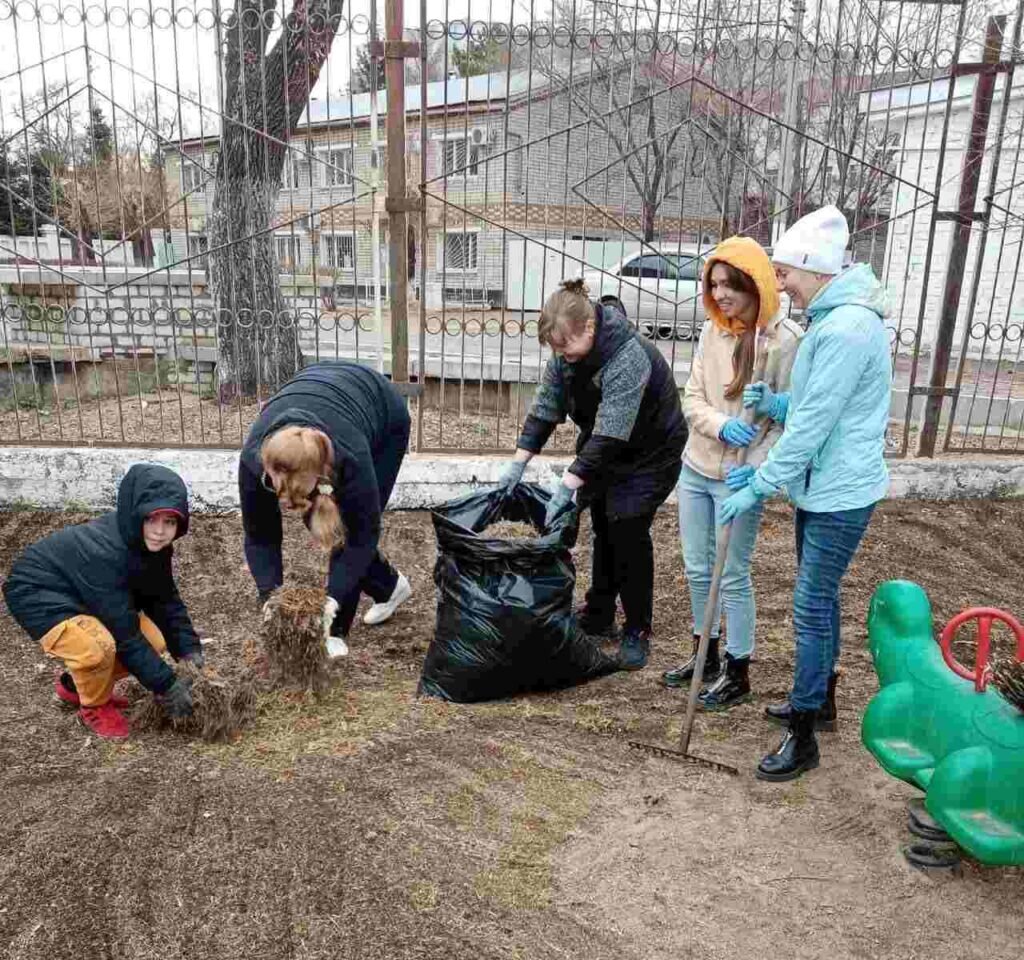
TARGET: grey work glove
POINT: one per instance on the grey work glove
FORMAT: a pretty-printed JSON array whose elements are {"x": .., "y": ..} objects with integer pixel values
[
  {"x": 177, "y": 701},
  {"x": 511, "y": 474},
  {"x": 559, "y": 499}
]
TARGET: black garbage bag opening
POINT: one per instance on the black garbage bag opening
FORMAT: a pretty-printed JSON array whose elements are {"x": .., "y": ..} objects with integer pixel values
[{"x": 505, "y": 622}]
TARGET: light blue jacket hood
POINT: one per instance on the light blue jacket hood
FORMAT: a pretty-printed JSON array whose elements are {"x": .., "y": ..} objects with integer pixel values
[{"x": 831, "y": 454}]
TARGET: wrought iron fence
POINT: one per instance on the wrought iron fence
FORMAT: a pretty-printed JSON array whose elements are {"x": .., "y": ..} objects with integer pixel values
[{"x": 197, "y": 198}]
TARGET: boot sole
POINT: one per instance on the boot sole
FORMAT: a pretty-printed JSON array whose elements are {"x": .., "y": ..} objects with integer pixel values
[
  {"x": 790, "y": 775},
  {"x": 685, "y": 684},
  {"x": 719, "y": 707},
  {"x": 827, "y": 726}
]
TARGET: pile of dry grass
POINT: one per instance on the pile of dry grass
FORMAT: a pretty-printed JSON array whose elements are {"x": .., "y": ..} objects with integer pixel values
[
  {"x": 221, "y": 705},
  {"x": 511, "y": 530},
  {"x": 1008, "y": 679},
  {"x": 293, "y": 638}
]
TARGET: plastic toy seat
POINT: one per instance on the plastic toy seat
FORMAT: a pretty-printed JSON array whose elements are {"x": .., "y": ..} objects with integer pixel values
[{"x": 931, "y": 728}]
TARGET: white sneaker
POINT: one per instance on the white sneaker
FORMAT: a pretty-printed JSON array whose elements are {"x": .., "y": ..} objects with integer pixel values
[
  {"x": 380, "y": 612},
  {"x": 336, "y": 647}
]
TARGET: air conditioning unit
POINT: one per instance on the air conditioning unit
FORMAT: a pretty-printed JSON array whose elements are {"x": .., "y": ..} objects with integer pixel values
[{"x": 479, "y": 134}]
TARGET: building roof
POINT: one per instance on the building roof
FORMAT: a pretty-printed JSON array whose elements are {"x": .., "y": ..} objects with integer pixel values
[{"x": 483, "y": 88}]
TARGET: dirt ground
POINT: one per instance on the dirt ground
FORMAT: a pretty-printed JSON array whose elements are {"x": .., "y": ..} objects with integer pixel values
[{"x": 371, "y": 824}]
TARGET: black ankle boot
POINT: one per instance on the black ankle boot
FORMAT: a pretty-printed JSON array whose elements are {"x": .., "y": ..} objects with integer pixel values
[
  {"x": 681, "y": 675},
  {"x": 731, "y": 687},
  {"x": 797, "y": 753},
  {"x": 826, "y": 717}
]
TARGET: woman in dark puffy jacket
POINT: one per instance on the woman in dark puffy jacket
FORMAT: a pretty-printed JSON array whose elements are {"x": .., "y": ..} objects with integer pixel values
[
  {"x": 101, "y": 597},
  {"x": 329, "y": 443},
  {"x": 619, "y": 391}
]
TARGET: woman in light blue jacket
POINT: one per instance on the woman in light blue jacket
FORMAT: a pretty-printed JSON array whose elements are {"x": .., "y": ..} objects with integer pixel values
[{"x": 830, "y": 459}]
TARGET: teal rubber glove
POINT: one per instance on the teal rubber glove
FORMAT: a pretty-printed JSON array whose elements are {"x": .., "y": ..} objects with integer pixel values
[
  {"x": 738, "y": 477},
  {"x": 739, "y": 503},
  {"x": 559, "y": 499},
  {"x": 512, "y": 474},
  {"x": 765, "y": 402},
  {"x": 736, "y": 433},
  {"x": 177, "y": 701}
]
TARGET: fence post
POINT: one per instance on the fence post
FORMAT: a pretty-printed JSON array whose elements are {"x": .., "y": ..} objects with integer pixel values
[
  {"x": 396, "y": 203},
  {"x": 963, "y": 218}
]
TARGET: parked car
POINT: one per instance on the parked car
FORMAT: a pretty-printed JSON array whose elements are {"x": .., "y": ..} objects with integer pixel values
[{"x": 659, "y": 290}]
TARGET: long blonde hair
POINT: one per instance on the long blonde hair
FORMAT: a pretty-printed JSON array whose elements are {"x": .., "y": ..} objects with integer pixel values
[
  {"x": 568, "y": 310},
  {"x": 295, "y": 455}
]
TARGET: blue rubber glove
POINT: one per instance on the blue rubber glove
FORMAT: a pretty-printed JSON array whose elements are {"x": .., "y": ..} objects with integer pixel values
[
  {"x": 766, "y": 403},
  {"x": 738, "y": 477},
  {"x": 738, "y": 503},
  {"x": 736, "y": 433},
  {"x": 559, "y": 499},
  {"x": 512, "y": 474}
]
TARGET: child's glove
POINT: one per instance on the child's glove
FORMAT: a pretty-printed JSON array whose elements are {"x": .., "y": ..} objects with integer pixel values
[
  {"x": 177, "y": 701},
  {"x": 336, "y": 646}
]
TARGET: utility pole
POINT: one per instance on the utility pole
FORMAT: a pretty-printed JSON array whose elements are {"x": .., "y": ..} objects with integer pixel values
[
  {"x": 792, "y": 120},
  {"x": 963, "y": 219},
  {"x": 395, "y": 51}
]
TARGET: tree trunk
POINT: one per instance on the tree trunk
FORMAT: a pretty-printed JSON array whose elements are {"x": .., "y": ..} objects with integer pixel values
[
  {"x": 649, "y": 211},
  {"x": 265, "y": 96},
  {"x": 259, "y": 346}
]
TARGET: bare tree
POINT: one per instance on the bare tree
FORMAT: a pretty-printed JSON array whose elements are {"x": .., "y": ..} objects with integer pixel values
[
  {"x": 678, "y": 121},
  {"x": 119, "y": 197},
  {"x": 268, "y": 77}
]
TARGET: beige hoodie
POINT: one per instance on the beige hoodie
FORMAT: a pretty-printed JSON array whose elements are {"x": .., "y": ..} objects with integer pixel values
[{"x": 704, "y": 402}]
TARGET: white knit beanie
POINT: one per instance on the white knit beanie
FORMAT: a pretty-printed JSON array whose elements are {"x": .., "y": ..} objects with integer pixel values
[{"x": 815, "y": 243}]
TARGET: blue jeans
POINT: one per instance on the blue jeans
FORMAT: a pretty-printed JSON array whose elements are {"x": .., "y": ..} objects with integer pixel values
[
  {"x": 825, "y": 545},
  {"x": 700, "y": 501}
]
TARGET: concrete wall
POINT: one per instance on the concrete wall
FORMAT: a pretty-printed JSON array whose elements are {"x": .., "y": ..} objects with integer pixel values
[{"x": 58, "y": 478}]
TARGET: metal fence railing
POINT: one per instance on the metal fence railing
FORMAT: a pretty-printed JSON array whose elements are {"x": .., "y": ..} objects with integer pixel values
[{"x": 196, "y": 198}]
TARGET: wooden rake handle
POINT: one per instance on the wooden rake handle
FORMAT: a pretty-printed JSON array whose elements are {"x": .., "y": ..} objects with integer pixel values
[{"x": 721, "y": 552}]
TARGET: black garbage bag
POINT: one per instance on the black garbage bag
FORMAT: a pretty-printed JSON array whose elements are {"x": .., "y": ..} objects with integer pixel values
[{"x": 505, "y": 621}]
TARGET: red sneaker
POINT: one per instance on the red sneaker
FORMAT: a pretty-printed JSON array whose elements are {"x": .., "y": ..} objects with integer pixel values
[
  {"x": 107, "y": 722},
  {"x": 66, "y": 695}
]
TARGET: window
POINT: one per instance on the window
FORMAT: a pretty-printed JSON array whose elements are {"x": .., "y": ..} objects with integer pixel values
[
  {"x": 338, "y": 169},
  {"x": 460, "y": 251},
  {"x": 652, "y": 266},
  {"x": 455, "y": 157},
  {"x": 297, "y": 172},
  {"x": 339, "y": 250},
  {"x": 289, "y": 252},
  {"x": 198, "y": 245},
  {"x": 690, "y": 266},
  {"x": 193, "y": 176}
]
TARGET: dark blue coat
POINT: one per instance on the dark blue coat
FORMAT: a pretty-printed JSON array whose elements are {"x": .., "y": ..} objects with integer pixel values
[
  {"x": 368, "y": 425},
  {"x": 103, "y": 569}
]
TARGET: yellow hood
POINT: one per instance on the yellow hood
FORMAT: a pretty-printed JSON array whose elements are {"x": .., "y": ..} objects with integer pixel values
[{"x": 749, "y": 256}]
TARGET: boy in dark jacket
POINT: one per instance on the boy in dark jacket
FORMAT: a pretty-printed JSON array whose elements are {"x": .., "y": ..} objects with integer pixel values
[{"x": 101, "y": 597}]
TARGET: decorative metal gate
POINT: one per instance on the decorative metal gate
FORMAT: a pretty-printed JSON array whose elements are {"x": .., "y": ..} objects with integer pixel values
[{"x": 196, "y": 196}]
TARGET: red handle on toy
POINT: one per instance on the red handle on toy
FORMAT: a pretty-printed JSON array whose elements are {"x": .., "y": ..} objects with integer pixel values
[{"x": 984, "y": 615}]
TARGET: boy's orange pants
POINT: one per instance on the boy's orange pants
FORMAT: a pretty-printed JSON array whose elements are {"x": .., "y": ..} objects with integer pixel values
[{"x": 90, "y": 654}]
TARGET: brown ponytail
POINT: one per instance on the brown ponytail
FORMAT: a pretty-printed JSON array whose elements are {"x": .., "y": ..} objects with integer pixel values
[{"x": 303, "y": 461}]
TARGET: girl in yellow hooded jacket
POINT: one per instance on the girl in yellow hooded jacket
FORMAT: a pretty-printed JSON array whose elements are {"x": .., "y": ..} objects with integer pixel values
[{"x": 741, "y": 298}]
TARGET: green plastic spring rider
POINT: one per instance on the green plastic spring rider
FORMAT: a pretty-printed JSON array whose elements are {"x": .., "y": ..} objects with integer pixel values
[{"x": 931, "y": 726}]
